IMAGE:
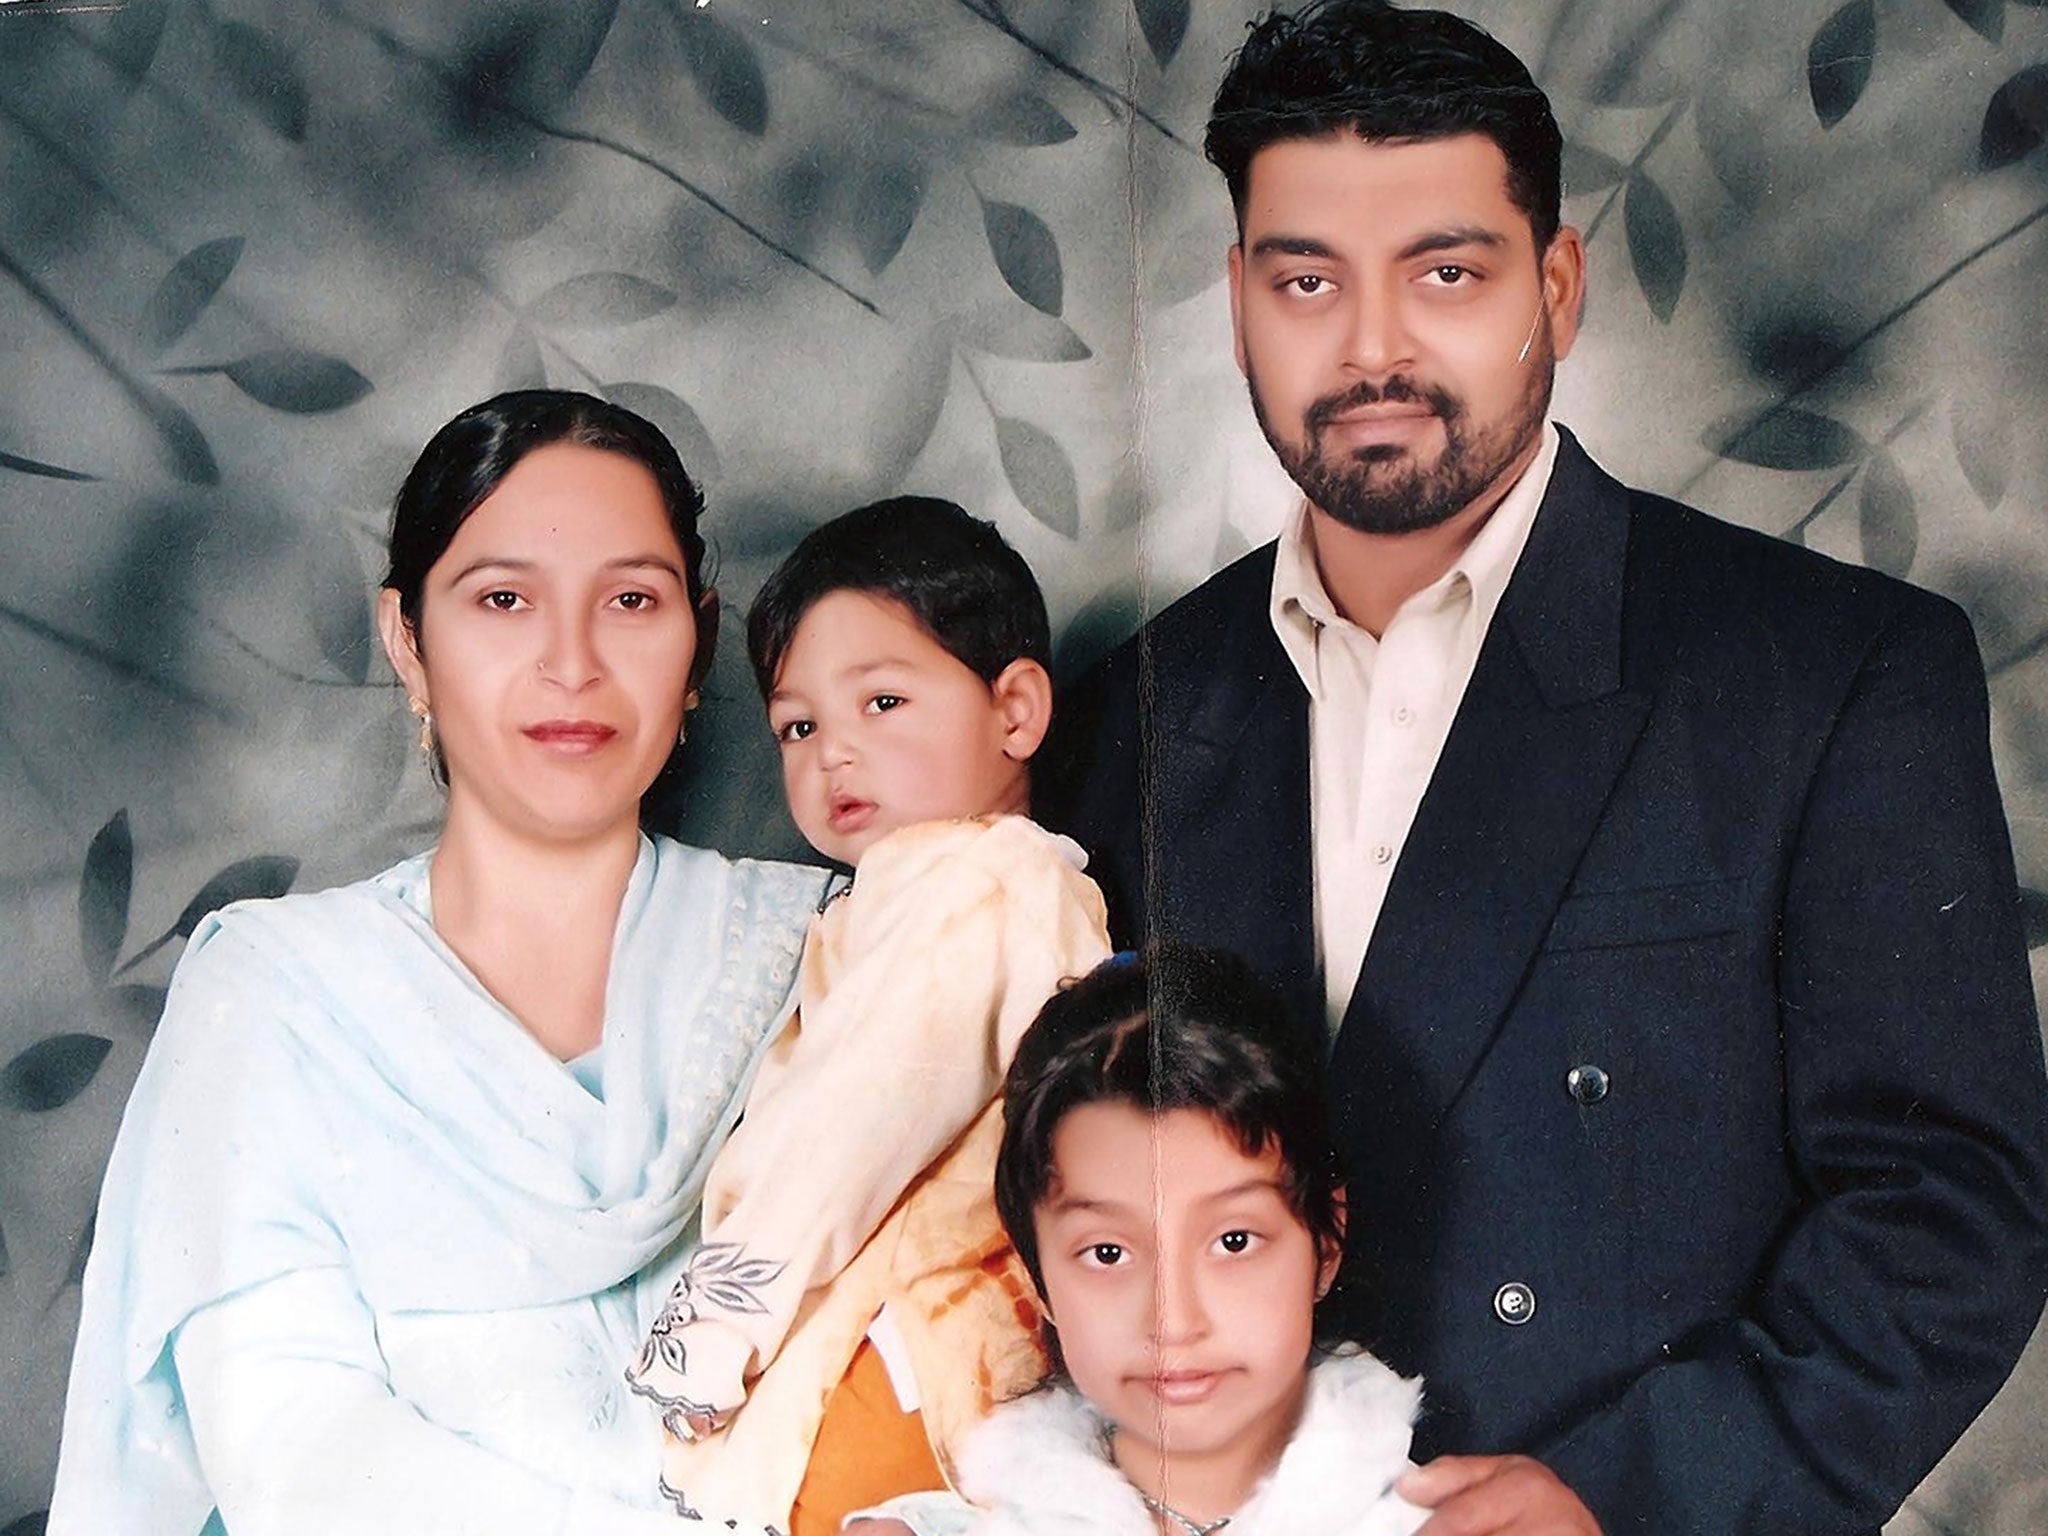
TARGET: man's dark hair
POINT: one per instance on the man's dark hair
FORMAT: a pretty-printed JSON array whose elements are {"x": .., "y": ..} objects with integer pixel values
[
  {"x": 1173, "y": 1027},
  {"x": 968, "y": 589},
  {"x": 1364, "y": 67}
]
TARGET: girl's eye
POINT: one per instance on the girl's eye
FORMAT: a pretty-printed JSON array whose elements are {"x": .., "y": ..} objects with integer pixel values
[
  {"x": 794, "y": 731},
  {"x": 882, "y": 703},
  {"x": 503, "y": 601},
  {"x": 636, "y": 602},
  {"x": 1106, "y": 1255},
  {"x": 1235, "y": 1242}
]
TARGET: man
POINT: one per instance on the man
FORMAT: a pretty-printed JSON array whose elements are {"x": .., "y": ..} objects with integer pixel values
[{"x": 1649, "y": 873}]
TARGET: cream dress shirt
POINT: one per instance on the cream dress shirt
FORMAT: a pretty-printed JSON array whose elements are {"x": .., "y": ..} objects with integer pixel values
[{"x": 1380, "y": 710}]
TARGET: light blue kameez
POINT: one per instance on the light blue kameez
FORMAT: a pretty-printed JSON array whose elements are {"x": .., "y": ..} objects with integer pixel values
[{"x": 336, "y": 1115}]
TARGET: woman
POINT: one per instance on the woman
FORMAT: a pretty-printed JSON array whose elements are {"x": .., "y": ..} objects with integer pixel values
[{"x": 407, "y": 1172}]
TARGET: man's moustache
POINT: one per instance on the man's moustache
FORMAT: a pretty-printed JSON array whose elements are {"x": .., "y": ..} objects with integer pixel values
[{"x": 1400, "y": 390}]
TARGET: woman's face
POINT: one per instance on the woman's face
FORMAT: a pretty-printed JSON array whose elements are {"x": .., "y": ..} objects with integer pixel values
[{"x": 554, "y": 647}]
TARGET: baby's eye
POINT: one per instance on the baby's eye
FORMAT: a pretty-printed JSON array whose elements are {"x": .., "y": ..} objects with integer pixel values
[
  {"x": 882, "y": 703},
  {"x": 503, "y": 601},
  {"x": 1104, "y": 1255},
  {"x": 794, "y": 731}
]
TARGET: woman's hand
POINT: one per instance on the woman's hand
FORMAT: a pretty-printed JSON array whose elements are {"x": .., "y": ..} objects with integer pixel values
[{"x": 875, "y": 1528}]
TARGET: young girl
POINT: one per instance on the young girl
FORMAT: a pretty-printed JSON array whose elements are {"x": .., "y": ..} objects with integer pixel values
[
  {"x": 855, "y": 1306},
  {"x": 1167, "y": 1177}
]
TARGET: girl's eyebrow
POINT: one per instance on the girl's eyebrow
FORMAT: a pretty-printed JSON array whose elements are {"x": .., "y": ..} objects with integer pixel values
[{"x": 646, "y": 562}]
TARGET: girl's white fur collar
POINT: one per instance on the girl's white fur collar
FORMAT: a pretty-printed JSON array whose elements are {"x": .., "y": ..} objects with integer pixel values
[{"x": 1038, "y": 1463}]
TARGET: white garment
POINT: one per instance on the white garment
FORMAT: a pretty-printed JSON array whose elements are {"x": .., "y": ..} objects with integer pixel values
[
  {"x": 1039, "y": 1467},
  {"x": 1380, "y": 710}
]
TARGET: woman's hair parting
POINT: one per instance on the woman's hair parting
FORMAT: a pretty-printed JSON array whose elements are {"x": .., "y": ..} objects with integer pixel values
[
  {"x": 1171, "y": 1027},
  {"x": 968, "y": 589},
  {"x": 1385, "y": 74},
  {"x": 471, "y": 456}
]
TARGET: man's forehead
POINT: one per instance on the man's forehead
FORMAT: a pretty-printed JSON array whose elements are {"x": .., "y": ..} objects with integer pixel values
[{"x": 1403, "y": 186}]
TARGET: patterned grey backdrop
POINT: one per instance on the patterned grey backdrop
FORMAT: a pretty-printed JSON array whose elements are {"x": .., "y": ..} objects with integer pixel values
[{"x": 252, "y": 251}]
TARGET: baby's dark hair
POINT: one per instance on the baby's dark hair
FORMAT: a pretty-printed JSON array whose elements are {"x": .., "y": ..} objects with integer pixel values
[
  {"x": 969, "y": 590},
  {"x": 1172, "y": 1027},
  {"x": 1385, "y": 74}
]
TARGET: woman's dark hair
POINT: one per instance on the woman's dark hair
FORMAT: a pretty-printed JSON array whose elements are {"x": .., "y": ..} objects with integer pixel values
[
  {"x": 969, "y": 590},
  {"x": 471, "y": 456},
  {"x": 1172, "y": 1027},
  {"x": 1364, "y": 67}
]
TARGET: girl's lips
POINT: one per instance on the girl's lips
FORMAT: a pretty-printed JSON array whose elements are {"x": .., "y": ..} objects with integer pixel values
[
  {"x": 574, "y": 737},
  {"x": 1179, "y": 1388}
]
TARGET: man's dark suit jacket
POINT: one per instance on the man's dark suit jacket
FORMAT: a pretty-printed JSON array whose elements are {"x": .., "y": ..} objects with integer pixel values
[{"x": 1691, "y": 1094}]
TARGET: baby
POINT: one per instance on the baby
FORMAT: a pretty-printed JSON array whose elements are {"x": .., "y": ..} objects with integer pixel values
[{"x": 855, "y": 1290}]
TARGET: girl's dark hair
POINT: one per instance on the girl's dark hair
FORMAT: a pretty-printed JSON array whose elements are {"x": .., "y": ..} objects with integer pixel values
[
  {"x": 471, "y": 456},
  {"x": 1364, "y": 67},
  {"x": 969, "y": 590},
  {"x": 1172, "y": 1027}
]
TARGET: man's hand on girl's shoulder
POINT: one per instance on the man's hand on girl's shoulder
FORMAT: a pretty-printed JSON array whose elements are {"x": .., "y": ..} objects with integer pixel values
[{"x": 1495, "y": 1496}]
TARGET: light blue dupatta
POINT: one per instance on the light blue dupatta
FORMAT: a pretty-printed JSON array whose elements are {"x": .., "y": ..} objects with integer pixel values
[{"x": 330, "y": 1086}]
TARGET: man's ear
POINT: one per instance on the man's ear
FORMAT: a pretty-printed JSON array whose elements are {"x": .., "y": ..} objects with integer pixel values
[
  {"x": 401, "y": 646},
  {"x": 1234, "y": 265},
  {"x": 1023, "y": 695},
  {"x": 1331, "y": 1249},
  {"x": 1563, "y": 269},
  {"x": 707, "y": 636}
]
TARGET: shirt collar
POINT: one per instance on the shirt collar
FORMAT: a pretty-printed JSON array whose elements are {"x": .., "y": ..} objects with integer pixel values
[{"x": 1300, "y": 605}]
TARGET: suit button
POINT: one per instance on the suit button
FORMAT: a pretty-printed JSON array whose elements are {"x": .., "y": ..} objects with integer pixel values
[
  {"x": 1514, "y": 1303},
  {"x": 1587, "y": 1084}
]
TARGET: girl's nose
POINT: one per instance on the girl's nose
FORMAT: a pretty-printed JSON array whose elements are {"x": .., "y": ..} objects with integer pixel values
[{"x": 1181, "y": 1313}]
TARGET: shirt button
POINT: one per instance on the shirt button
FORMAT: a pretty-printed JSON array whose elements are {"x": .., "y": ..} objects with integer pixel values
[
  {"x": 1381, "y": 852},
  {"x": 1514, "y": 1303},
  {"x": 1403, "y": 715},
  {"x": 1587, "y": 1084}
]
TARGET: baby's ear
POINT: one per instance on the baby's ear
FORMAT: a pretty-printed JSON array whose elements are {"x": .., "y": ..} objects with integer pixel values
[{"x": 1023, "y": 697}]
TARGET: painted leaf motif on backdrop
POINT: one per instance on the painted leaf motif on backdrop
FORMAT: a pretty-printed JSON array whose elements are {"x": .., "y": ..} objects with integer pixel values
[
  {"x": 29, "y": 1525},
  {"x": 180, "y": 443},
  {"x": 1024, "y": 335},
  {"x": 520, "y": 365},
  {"x": 1024, "y": 119},
  {"x": 1889, "y": 522},
  {"x": 595, "y": 300},
  {"x": 130, "y": 41},
  {"x": 1164, "y": 23},
  {"x": 1026, "y": 254},
  {"x": 26, "y": 466},
  {"x": 302, "y": 383},
  {"x": 52, "y": 1072},
  {"x": 2034, "y": 918},
  {"x": 1785, "y": 438},
  {"x": 885, "y": 206},
  {"x": 678, "y": 422},
  {"x": 265, "y": 75},
  {"x": 2015, "y": 120},
  {"x": 1041, "y": 474},
  {"x": 187, "y": 289},
  {"x": 1588, "y": 170},
  {"x": 1839, "y": 59},
  {"x": 725, "y": 67},
  {"x": 338, "y": 603},
  {"x": 1656, "y": 244},
  {"x": 104, "y": 889},
  {"x": 1984, "y": 17},
  {"x": 1983, "y": 442},
  {"x": 267, "y": 874}
]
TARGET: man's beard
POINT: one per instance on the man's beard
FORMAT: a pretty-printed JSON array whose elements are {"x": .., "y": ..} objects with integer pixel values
[{"x": 1382, "y": 488}]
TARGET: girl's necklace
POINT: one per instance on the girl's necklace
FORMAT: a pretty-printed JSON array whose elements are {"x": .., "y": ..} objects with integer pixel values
[{"x": 1187, "y": 1523}]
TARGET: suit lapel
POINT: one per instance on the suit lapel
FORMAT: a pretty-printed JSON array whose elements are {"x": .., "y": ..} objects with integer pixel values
[
  {"x": 1228, "y": 856},
  {"x": 1539, "y": 740}
]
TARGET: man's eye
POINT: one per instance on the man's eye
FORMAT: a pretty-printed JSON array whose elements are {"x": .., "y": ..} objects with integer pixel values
[
  {"x": 795, "y": 730},
  {"x": 882, "y": 703},
  {"x": 1451, "y": 274},
  {"x": 1309, "y": 283}
]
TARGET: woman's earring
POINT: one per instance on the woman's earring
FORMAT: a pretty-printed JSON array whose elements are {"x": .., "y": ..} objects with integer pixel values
[
  {"x": 425, "y": 717},
  {"x": 690, "y": 701}
]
